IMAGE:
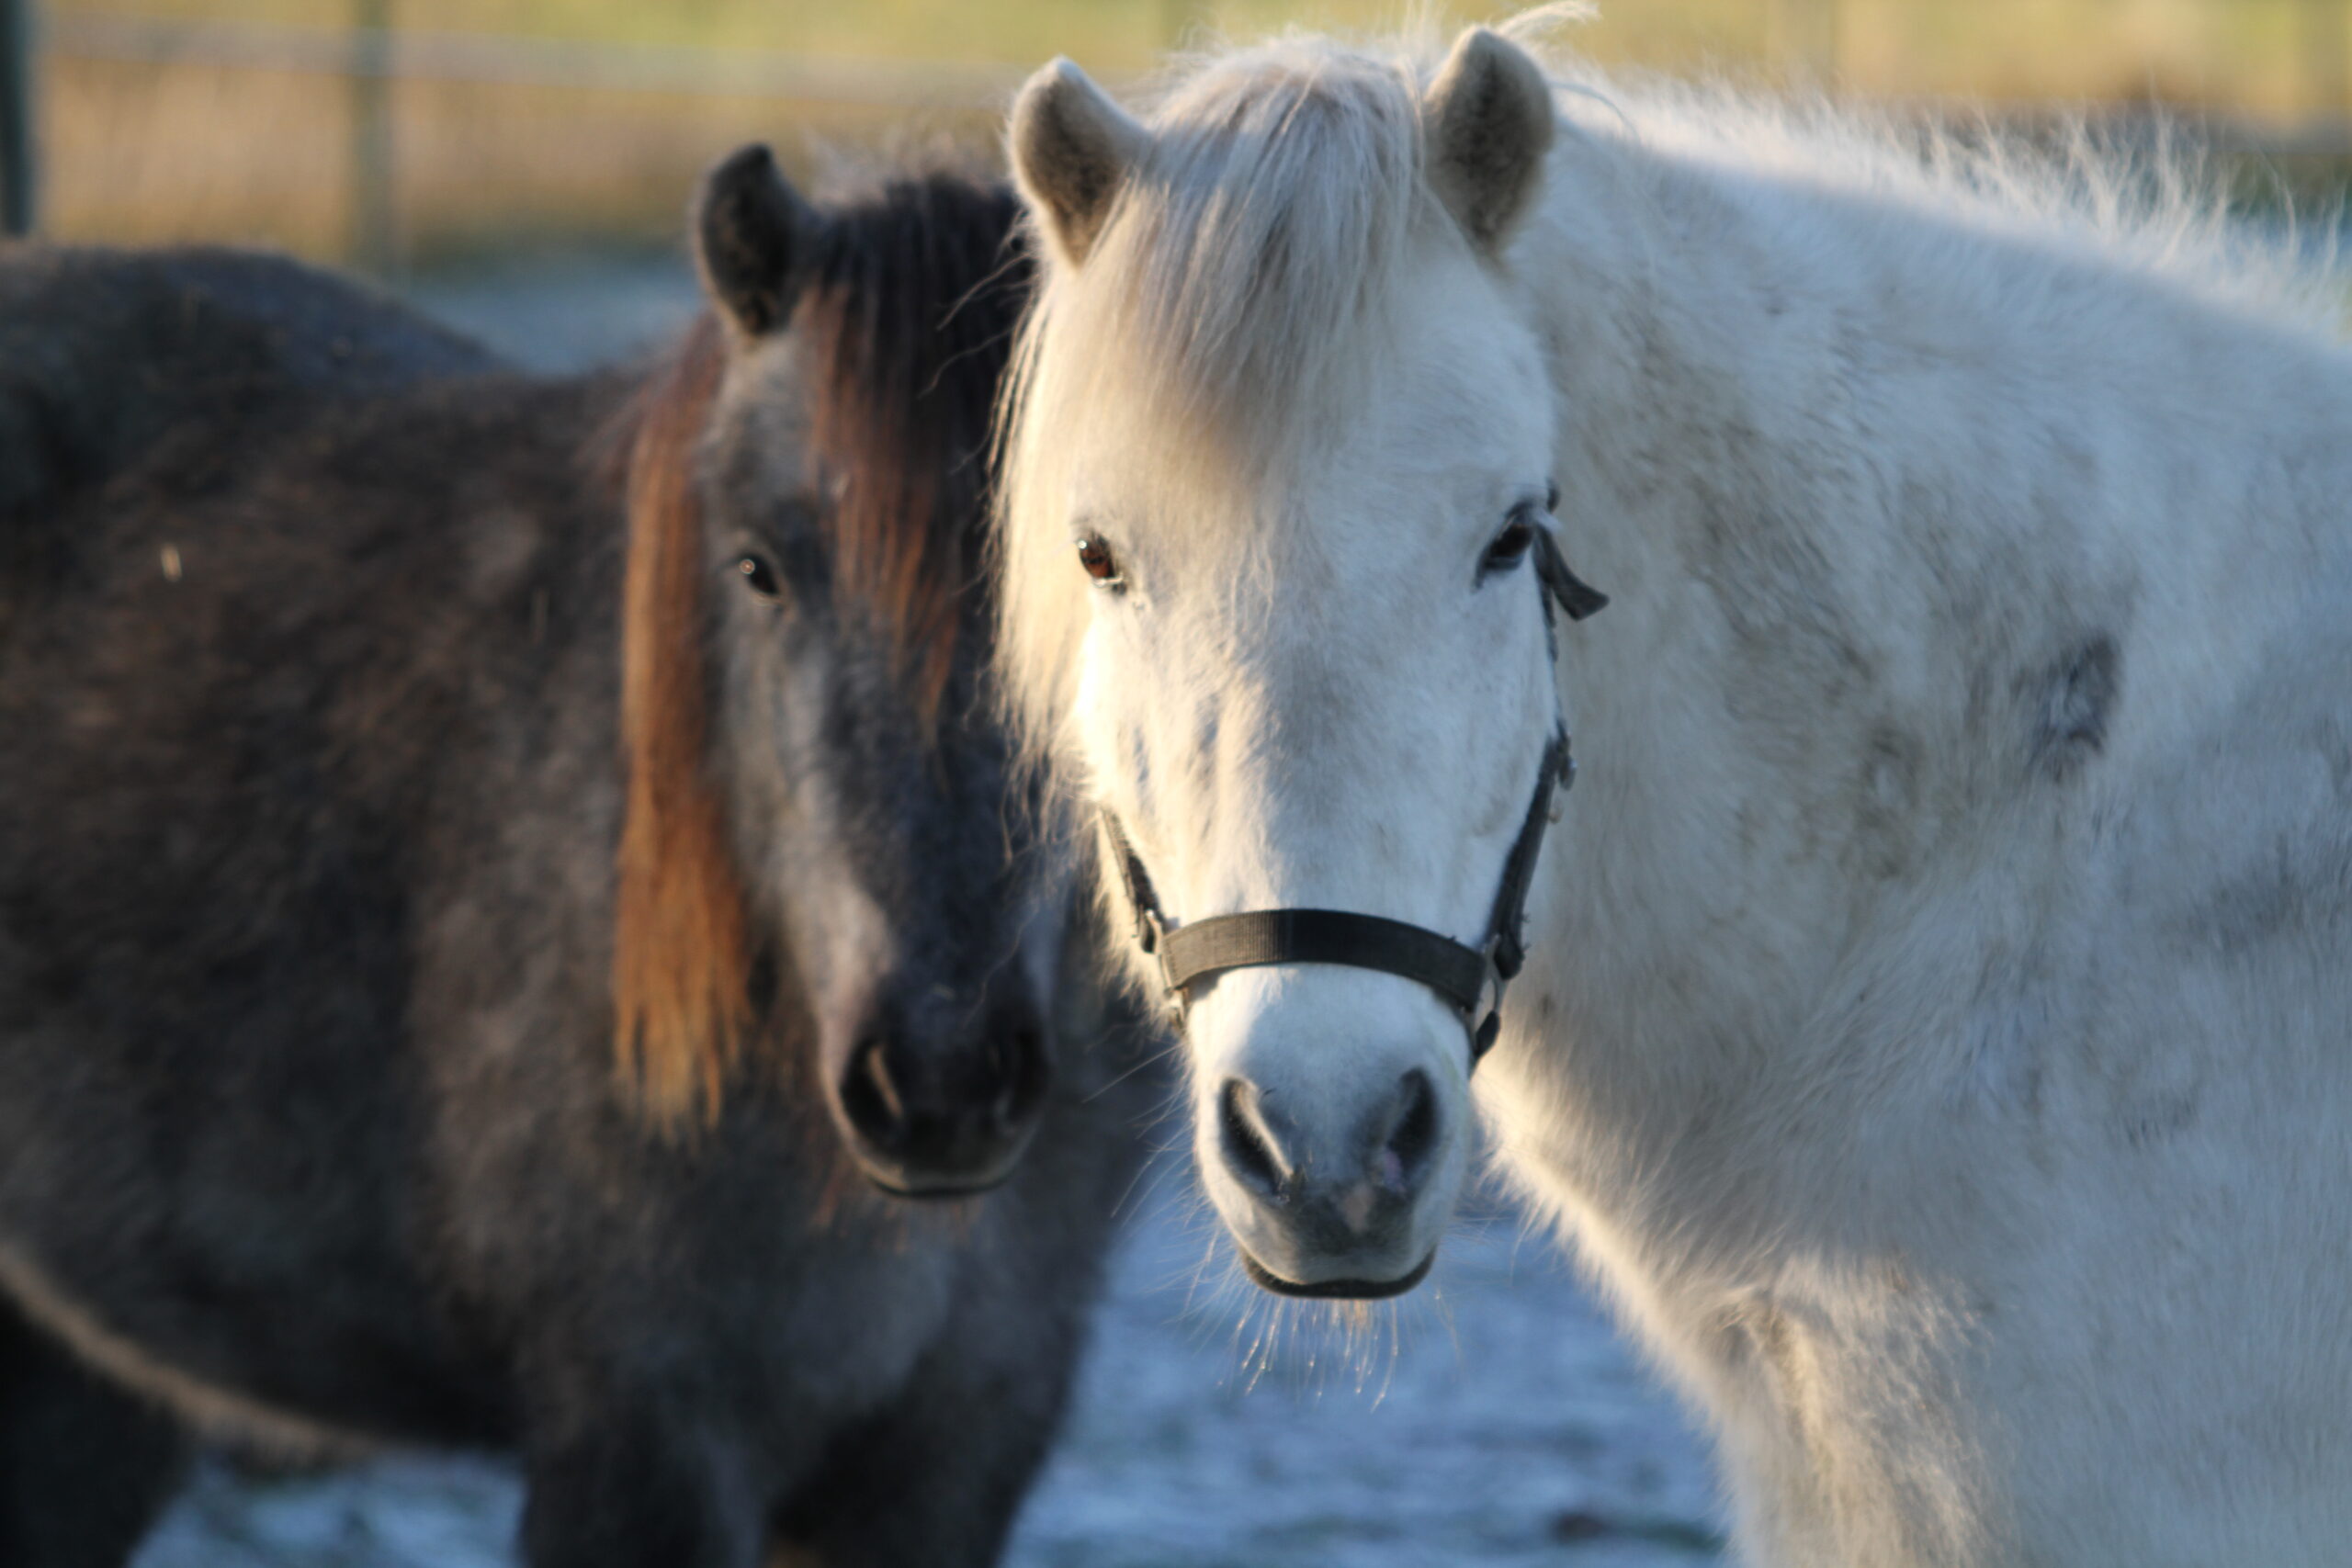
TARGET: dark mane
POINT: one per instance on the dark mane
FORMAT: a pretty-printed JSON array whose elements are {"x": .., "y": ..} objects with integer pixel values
[
  {"x": 908, "y": 320},
  {"x": 906, "y": 323}
]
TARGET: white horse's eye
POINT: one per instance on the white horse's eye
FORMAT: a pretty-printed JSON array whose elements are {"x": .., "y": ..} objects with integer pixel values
[
  {"x": 1094, "y": 555},
  {"x": 1510, "y": 547}
]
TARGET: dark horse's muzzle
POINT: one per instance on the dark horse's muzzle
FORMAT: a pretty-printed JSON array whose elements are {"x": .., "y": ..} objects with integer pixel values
[{"x": 942, "y": 1107}]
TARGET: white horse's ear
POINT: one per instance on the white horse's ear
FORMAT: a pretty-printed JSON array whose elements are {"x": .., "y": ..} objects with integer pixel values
[
  {"x": 1488, "y": 121},
  {"x": 1072, "y": 147}
]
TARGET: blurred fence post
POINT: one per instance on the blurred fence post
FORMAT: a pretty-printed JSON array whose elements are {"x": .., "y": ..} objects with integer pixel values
[
  {"x": 375, "y": 215},
  {"x": 19, "y": 165}
]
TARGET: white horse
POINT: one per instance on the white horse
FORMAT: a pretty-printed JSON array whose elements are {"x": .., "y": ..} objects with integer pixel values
[{"x": 1938, "y": 1030}]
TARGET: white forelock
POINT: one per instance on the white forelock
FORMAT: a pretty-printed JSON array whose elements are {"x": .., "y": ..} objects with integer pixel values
[{"x": 1246, "y": 263}]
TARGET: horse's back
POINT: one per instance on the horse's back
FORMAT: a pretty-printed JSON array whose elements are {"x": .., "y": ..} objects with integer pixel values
[{"x": 107, "y": 356}]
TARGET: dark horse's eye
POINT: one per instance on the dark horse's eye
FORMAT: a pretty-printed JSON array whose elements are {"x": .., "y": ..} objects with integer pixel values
[
  {"x": 759, "y": 576},
  {"x": 1094, "y": 555},
  {"x": 1510, "y": 547}
]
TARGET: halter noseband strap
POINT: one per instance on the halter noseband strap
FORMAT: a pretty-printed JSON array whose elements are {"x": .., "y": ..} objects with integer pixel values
[{"x": 1469, "y": 979}]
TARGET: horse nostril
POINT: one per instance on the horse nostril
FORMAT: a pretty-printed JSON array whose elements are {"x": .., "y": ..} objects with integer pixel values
[
  {"x": 870, "y": 1096},
  {"x": 1248, "y": 1153},
  {"x": 1412, "y": 1136},
  {"x": 1021, "y": 1070}
]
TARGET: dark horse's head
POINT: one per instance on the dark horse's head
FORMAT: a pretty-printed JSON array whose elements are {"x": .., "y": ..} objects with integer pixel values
[{"x": 821, "y": 810}]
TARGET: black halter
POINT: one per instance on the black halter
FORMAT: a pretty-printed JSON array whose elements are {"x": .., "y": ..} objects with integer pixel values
[{"x": 1469, "y": 979}]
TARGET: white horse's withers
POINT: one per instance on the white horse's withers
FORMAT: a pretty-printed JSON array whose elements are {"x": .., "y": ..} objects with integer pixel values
[{"x": 1937, "y": 1031}]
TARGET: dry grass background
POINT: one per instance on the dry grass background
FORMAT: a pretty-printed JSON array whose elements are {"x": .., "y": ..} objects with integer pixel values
[
  {"x": 140, "y": 154},
  {"x": 153, "y": 150}
]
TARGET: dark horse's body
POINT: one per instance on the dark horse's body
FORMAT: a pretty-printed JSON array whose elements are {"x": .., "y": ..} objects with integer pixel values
[{"x": 329, "y": 765}]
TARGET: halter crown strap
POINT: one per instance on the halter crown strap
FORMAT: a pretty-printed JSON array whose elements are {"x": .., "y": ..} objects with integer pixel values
[{"x": 1470, "y": 979}]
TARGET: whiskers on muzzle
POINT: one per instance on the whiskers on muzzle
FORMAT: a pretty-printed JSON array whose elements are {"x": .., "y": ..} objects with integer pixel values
[{"x": 1311, "y": 1344}]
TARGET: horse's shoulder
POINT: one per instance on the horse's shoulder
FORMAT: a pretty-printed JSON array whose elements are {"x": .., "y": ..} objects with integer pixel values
[
  {"x": 2248, "y": 820},
  {"x": 2198, "y": 896},
  {"x": 2189, "y": 876}
]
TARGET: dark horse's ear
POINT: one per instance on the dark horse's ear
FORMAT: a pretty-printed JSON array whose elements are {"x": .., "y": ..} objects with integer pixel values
[{"x": 755, "y": 239}]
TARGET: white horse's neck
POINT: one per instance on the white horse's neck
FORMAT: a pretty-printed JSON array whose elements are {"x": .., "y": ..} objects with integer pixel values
[
  {"x": 1917, "y": 535},
  {"x": 1945, "y": 568}
]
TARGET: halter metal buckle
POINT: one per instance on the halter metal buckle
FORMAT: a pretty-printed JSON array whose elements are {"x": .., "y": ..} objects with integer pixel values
[
  {"x": 1151, "y": 932},
  {"x": 1484, "y": 1022}
]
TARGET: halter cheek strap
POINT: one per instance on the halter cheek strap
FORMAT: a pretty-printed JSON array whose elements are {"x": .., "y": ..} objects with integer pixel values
[{"x": 1469, "y": 979}]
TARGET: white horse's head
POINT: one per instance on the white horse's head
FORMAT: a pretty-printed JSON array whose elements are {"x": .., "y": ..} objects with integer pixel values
[{"x": 1282, "y": 454}]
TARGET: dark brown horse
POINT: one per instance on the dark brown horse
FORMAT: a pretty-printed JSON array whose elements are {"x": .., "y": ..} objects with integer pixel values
[{"x": 455, "y": 829}]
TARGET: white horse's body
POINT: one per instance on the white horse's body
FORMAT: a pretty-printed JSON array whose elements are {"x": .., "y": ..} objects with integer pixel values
[
  {"x": 1938, "y": 1028},
  {"x": 1948, "y": 954}
]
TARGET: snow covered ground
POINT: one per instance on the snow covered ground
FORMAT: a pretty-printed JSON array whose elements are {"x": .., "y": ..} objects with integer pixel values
[
  {"x": 567, "y": 311},
  {"x": 1488, "y": 1420}
]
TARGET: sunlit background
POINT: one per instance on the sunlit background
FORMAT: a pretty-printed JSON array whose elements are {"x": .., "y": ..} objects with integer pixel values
[
  {"x": 522, "y": 167},
  {"x": 415, "y": 133}
]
